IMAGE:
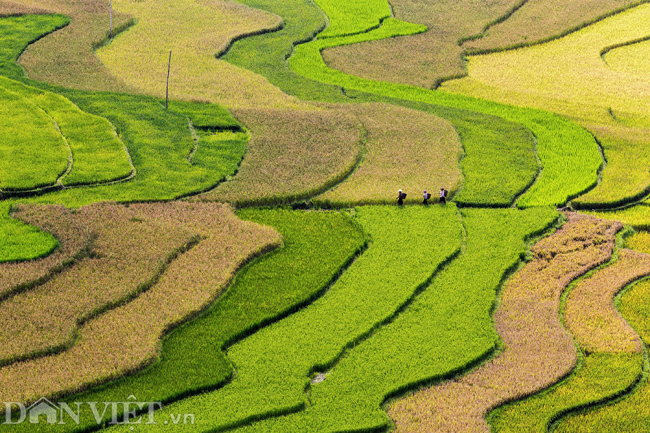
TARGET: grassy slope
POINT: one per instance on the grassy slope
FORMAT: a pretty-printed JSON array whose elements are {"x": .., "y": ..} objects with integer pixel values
[
  {"x": 568, "y": 153},
  {"x": 611, "y": 103},
  {"x": 438, "y": 334},
  {"x": 19, "y": 241},
  {"x": 273, "y": 365},
  {"x": 316, "y": 247},
  {"x": 484, "y": 137}
]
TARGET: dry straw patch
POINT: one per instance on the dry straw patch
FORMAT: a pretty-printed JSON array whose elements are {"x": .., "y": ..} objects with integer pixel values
[
  {"x": 422, "y": 59},
  {"x": 74, "y": 241},
  {"x": 542, "y": 19},
  {"x": 406, "y": 149},
  {"x": 590, "y": 314},
  {"x": 127, "y": 255},
  {"x": 292, "y": 155},
  {"x": 195, "y": 31},
  {"x": 128, "y": 337},
  {"x": 538, "y": 350}
]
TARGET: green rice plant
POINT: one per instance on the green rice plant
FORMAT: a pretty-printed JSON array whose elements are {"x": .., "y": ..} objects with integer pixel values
[
  {"x": 446, "y": 329},
  {"x": 492, "y": 145},
  {"x": 317, "y": 245},
  {"x": 16, "y": 32},
  {"x": 630, "y": 414},
  {"x": 19, "y": 241},
  {"x": 636, "y": 216},
  {"x": 139, "y": 57},
  {"x": 600, "y": 376},
  {"x": 159, "y": 142},
  {"x": 626, "y": 177},
  {"x": 353, "y": 16},
  {"x": 273, "y": 365},
  {"x": 569, "y": 154},
  {"x": 97, "y": 154},
  {"x": 424, "y": 59},
  {"x": 32, "y": 152},
  {"x": 611, "y": 103},
  {"x": 612, "y": 360}
]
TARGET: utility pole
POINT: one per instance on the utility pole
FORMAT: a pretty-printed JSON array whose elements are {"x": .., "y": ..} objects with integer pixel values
[
  {"x": 169, "y": 65},
  {"x": 110, "y": 20}
]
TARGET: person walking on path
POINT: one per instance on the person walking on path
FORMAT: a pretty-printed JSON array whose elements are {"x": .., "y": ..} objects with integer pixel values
[
  {"x": 443, "y": 195},
  {"x": 400, "y": 197},
  {"x": 426, "y": 195}
]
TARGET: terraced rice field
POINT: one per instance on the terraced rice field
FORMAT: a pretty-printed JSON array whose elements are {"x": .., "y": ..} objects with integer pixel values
[
  {"x": 235, "y": 259},
  {"x": 611, "y": 103}
]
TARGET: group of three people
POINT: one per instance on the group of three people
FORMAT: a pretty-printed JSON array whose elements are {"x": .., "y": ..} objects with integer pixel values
[{"x": 426, "y": 196}]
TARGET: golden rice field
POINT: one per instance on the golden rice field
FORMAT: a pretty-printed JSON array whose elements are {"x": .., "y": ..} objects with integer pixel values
[
  {"x": 155, "y": 282},
  {"x": 292, "y": 155},
  {"x": 538, "y": 350},
  {"x": 206, "y": 28},
  {"x": 127, "y": 337},
  {"x": 538, "y": 20},
  {"x": 408, "y": 148}
]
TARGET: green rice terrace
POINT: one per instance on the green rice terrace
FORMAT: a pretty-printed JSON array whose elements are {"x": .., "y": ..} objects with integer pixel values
[{"x": 324, "y": 216}]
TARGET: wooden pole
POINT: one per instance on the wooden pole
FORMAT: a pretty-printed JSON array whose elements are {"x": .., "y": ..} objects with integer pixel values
[
  {"x": 169, "y": 65},
  {"x": 110, "y": 20}
]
